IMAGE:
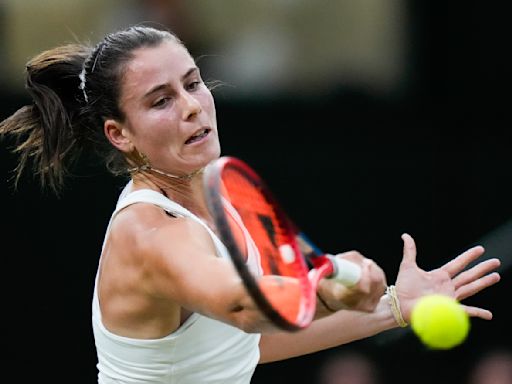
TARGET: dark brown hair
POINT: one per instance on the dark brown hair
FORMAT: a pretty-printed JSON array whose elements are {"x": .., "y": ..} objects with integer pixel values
[{"x": 74, "y": 89}]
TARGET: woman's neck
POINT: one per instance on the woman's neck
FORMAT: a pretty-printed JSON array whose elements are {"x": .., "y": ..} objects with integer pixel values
[{"x": 187, "y": 191}]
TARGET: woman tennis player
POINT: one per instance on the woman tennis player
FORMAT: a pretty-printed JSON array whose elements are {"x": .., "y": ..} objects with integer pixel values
[{"x": 168, "y": 306}]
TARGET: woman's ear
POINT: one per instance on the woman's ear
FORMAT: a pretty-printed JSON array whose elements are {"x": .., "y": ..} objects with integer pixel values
[{"x": 118, "y": 135}]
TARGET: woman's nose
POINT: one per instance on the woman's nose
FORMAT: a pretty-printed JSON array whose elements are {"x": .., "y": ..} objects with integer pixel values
[{"x": 190, "y": 106}]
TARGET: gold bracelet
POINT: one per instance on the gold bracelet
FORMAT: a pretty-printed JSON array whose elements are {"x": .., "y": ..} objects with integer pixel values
[{"x": 395, "y": 306}]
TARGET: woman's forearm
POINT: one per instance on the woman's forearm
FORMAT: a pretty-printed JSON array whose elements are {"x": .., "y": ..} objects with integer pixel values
[{"x": 339, "y": 328}]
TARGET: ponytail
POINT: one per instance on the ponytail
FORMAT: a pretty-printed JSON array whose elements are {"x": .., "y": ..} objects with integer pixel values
[
  {"x": 48, "y": 132},
  {"x": 74, "y": 88}
]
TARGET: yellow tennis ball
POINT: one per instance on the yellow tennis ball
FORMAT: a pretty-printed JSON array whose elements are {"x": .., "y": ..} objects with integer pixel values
[{"x": 440, "y": 321}]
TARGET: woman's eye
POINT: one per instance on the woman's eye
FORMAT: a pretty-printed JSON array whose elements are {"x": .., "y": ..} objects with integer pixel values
[
  {"x": 194, "y": 85},
  {"x": 162, "y": 102}
]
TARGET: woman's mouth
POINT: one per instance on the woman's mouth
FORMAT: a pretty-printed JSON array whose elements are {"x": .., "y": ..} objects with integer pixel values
[{"x": 201, "y": 134}]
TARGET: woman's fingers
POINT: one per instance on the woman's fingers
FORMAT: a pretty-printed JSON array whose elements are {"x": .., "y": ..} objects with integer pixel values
[
  {"x": 455, "y": 266},
  {"x": 409, "y": 252},
  {"x": 478, "y": 312},
  {"x": 474, "y": 273},
  {"x": 476, "y": 286}
]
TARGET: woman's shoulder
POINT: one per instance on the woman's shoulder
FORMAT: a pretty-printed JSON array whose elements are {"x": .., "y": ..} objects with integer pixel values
[
  {"x": 147, "y": 226},
  {"x": 143, "y": 219}
]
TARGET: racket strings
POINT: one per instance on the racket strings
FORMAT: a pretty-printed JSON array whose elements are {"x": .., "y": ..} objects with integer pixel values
[
  {"x": 284, "y": 282},
  {"x": 268, "y": 231}
]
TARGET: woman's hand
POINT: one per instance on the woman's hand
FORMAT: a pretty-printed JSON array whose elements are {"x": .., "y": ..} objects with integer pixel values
[
  {"x": 451, "y": 279},
  {"x": 363, "y": 296}
]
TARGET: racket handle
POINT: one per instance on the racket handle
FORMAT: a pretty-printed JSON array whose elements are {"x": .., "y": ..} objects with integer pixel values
[{"x": 344, "y": 271}]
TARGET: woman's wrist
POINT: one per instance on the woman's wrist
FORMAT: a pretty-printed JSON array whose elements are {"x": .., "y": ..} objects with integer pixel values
[{"x": 324, "y": 306}]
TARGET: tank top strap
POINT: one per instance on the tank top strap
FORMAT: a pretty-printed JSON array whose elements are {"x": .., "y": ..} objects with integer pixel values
[
  {"x": 155, "y": 198},
  {"x": 152, "y": 197}
]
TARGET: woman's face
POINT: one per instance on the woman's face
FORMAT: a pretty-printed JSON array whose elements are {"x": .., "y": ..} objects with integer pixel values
[{"x": 170, "y": 113}]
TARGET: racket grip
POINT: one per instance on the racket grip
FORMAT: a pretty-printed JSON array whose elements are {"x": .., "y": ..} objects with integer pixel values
[{"x": 344, "y": 271}]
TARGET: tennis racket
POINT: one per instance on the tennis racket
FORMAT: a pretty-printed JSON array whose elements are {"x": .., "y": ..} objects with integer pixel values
[{"x": 278, "y": 264}]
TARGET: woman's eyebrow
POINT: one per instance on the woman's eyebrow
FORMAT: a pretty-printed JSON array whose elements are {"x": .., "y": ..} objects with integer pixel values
[
  {"x": 159, "y": 87},
  {"x": 189, "y": 72}
]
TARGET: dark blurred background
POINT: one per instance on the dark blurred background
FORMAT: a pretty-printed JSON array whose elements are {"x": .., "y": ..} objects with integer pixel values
[{"x": 368, "y": 118}]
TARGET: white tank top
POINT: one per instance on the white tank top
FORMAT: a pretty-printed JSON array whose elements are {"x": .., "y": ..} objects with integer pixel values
[{"x": 202, "y": 350}]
